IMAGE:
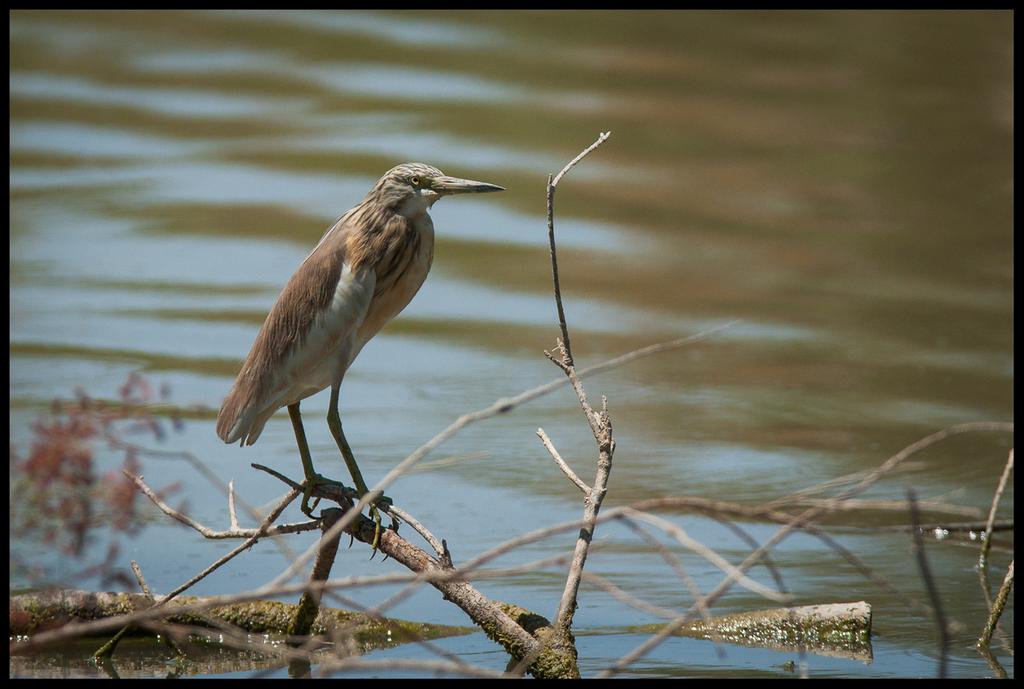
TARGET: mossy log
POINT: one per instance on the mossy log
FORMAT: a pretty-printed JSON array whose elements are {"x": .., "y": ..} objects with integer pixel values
[
  {"x": 835, "y": 629},
  {"x": 558, "y": 660},
  {"x": 32, "y": 613}
]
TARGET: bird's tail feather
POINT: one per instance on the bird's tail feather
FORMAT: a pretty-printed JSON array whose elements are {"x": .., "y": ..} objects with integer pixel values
[{"x": 239, "y": 419}]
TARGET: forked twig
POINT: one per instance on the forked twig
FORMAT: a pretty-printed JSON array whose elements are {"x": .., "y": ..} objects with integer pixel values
[{"x": 600, "y": 425}]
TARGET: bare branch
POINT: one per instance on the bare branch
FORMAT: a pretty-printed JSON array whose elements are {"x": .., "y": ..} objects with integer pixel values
[
  {"x": 997, "y": 608},
  {"x": 552, "y": 184},
  {"x": 430, "y": 538},
  {"x": 203, "y": 470},
  {"x": 207, "y": 532}
]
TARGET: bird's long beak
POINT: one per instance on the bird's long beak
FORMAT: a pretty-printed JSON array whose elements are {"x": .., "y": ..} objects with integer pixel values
[{"x": 454, "y": 185}]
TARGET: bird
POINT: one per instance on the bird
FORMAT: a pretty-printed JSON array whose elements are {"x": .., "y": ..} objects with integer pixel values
[{"x": 366, "y": 269}]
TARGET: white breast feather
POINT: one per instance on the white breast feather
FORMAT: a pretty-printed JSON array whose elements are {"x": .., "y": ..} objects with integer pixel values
[{"x": 328, "y": 347}]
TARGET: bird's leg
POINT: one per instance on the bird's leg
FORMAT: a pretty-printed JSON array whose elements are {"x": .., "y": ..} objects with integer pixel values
[
  {"x": 312, "y": 478},
  {"x": 334, "y": 422}
]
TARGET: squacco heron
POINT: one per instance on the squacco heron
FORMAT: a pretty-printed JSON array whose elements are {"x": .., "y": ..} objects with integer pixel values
[{"x": 365, "y": 270}]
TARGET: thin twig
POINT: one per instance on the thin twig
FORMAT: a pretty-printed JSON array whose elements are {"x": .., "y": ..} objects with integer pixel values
[
  {"x": 752, "y": 543},
  {"x": 998, "y": 671},
  {"x": 572, "y": 163},
  {"x": 167, "y": 638},
  {"x": 206, "y": 531},
  {"x": 997, "y": 608},
  {"x": 231, "y": 506},
  {"x": 986, "y": 590},
  {"x": 201, "y": 467},
  {"x": 141, "y": 579},
  {"x": 987, "y": 539},
  {"x": 566, "y": 469},
  {"x": 836, "y": 482},
  {"x": 552, "y": 184},
  {"x": 104, "y": 652},
  {"x": 722, "y": 511}
]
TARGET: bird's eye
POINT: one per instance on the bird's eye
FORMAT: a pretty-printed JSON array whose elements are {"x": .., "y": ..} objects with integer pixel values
[{"x": 415, "y": 181}]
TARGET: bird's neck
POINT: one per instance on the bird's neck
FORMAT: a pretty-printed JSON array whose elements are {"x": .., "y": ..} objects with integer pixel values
[
  {"x": 381, "y": 233},
  {"x": 415, "y": 207}
]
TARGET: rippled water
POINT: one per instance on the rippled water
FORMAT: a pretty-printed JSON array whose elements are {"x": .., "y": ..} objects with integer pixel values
[{"x": 840, "y": 182}]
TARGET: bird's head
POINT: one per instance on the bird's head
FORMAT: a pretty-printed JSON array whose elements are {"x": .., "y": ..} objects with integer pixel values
[{"x": 411, "y": 188}]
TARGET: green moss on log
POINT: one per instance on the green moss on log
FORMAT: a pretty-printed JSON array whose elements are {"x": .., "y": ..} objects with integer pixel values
[{"x": 33, "y": 613}]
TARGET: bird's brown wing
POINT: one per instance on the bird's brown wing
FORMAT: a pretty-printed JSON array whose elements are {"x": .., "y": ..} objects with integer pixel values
[{"x": 305, "y": 298}]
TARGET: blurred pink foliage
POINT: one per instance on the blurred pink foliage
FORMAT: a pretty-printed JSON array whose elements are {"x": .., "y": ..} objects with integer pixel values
[{"x": 56, "y": 490}]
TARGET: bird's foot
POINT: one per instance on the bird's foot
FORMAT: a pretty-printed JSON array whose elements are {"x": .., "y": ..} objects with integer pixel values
[
  {"x": 309, "y": 485},
  {"x": 381, "y": 504}
]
